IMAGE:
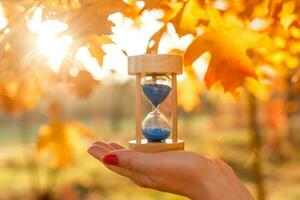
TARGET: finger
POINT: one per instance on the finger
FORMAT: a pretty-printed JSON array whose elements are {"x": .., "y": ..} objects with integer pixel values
[
  {"x": 116, "y": 146},
  {"x": 97, "y": 151},
  {"x": 144, "y": 163},
  {"x": 141, "y": 180},
  {"x": 103, "y": 144}
]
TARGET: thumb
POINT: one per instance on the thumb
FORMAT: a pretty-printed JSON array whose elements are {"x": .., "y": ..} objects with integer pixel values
[{"x": 132, "y": 160}]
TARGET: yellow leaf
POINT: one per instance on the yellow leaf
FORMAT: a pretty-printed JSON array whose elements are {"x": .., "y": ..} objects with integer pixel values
[
  {"x": 89, "y": 17},
  {"x": 94, "y": 43},
  {"x": 192, "y": 14},
  {"x": 287, "y": 16},
  {"x": 228, "y": 42},
  {"x": 171, "y": 10},
  {"x": 57, "y": 138},
  {"x": 295, "y": 32},
  {"x": 258, "y": 89},
  {"x": 261, "y": 9},
  {"x": 82, "y": 84},
  {"x": 295, "y": 47},
  {"x": 19, "y": 92},
  {"x": 277, "y": 57},
  {"x": 292, "y": 62},
  {"x": 189, "y": 93},
  {"x": 280, "y": 42},
  {"x": 79, "y": 129}
]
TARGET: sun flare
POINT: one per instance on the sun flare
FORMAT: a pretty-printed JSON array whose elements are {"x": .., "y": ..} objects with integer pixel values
[
  {"x": 55, "y": 50},
  {"x": 52, "y": 46}
]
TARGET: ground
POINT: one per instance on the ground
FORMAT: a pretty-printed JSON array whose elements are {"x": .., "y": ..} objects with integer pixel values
[{"x": 22, "y": 175}]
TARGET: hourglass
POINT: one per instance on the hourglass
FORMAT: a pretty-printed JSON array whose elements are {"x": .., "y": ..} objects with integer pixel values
[{"x": 156, "y": 79}]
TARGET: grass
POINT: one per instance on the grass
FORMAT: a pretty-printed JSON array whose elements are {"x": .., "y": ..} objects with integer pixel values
[{"x": 89, "y": 180}]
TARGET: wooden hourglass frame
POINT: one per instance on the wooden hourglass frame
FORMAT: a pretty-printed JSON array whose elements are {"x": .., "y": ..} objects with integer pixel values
[{"x": 155, "y": 64}]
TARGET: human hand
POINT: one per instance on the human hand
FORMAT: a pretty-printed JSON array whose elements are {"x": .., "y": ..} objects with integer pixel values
[{"x": 178, "y": 172}]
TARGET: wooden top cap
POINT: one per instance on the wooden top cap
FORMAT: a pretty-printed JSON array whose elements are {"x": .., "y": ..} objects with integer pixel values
[{"x": 155, "y": 63}]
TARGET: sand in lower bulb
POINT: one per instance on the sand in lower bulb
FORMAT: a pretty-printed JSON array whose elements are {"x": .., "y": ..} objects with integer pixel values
[{"x": 156, "y": 134}]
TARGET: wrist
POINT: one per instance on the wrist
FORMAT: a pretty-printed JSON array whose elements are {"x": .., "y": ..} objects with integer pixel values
[
  {"x": 197, "y": 189},
  {"x": 208, "y": 185}
]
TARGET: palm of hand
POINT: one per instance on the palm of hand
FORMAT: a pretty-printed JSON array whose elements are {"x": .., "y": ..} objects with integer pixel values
[{"x": 184, "y": 173}]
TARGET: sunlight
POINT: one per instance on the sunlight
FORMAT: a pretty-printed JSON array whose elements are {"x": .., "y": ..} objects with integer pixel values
[
  {"x": 171, "y": 41},
  {"x": 221, "y": 5},
  {"x": 259, "y": 24},
  {"x": 127, "y": 38},
  {"x": 52, "y": 46},
  {"x": 134, "y": 40},
  {"x": 54, "y": 49},
  {"x": 91, "y": 65},
  {"x": 200, "y": 65},
  {"x": 3, "y": 20}
]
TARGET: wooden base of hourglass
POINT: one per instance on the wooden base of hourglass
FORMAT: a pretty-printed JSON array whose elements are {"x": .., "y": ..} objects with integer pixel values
[{"x": 153, "y": 147}]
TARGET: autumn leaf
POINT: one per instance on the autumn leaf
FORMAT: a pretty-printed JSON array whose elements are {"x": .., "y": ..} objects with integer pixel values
[
  {"x": 57, "y": 138},
  {"x": 189, "y": 92},
  {"x": 19, "y": 92},
  {"x": 226, "y": 35},
  {"x": 286, "y": 53},
  {"x": 295, "y": 32},
  {"x": 82, "y": 84},
  {"x": 287, "y": 15},
  {"x": 156, "y": 39},
  {"x": 260, "y": 91},
  {"x": 90, "y": 17},
  {"x": 87, "y": 21},
  {"x": 193, "y": 12},
  {"x": 171, "y": 10},
  {"x": 228, "y": 42},
  {"x": 94, "y": 43}
]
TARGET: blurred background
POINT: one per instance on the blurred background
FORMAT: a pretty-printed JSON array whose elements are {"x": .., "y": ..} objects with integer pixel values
[
  {"x": 265, "y": 155},
  {"x": 64, "y": 85}
]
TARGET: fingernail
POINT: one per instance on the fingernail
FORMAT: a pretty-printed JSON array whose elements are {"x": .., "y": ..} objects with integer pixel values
[
  {"x": 93, "y": 151},
  {"x": 111, "y": 159}
]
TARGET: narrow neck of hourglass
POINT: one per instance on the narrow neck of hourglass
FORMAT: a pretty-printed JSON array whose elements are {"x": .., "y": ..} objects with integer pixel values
[{"x": 155, "y": 108}]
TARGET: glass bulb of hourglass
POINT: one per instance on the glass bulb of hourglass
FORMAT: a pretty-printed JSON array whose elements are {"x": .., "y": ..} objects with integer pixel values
[
  {"x": 156, "y": 88},
  {"x": 155, "y": 127}
]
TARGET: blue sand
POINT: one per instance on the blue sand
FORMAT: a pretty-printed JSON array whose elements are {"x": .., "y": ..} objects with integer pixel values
[
  {"x": 156, "y": 93},
  {"x": 156, "y": 134}
]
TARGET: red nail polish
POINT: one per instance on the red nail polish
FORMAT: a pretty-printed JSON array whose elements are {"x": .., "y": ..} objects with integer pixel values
[{"x": 111, "y": 159}]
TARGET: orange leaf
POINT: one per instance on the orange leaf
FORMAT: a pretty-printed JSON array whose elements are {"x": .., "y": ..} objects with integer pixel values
[
  {"x": 83, "y": 84},
  {"x": 89, "y": 17},
  {"x": 227, "y": 41},
  {"x": 192, "y": 14},
  {"x": 19, "y": 92},
  {"x": 287, "y": 15},
  {"x": 57, "y": 138},
  {"x": 95, "y": 43},
  {"x": 189, "y": 92}
]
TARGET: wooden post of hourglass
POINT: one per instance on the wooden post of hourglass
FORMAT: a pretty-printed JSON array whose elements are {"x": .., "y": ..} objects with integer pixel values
[
  {"x": 174, "y": 108},
  {"x": 138, "y": 112},
  {"x": 140, "y": 65}
]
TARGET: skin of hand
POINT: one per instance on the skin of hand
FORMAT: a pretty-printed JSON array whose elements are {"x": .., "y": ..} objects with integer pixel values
[{"x": 184, "y": 173}]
